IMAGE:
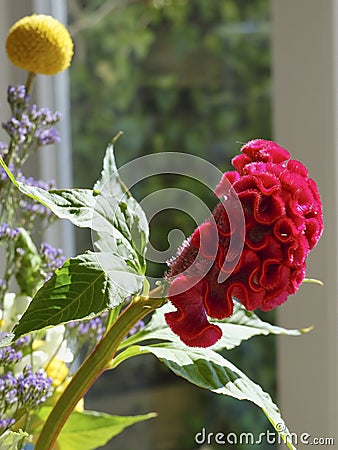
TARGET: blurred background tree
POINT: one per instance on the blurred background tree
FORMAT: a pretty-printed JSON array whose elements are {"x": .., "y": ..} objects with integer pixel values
[{"x": 174, "y": 75}]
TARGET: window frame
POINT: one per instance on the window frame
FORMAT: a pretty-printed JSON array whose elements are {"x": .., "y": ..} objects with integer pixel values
[{"x": 305, "y": 86}]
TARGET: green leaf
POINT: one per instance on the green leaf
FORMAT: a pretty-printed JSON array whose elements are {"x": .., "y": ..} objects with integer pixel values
[
  {"x": 87, "y": 209},
  {"x": 133, "y": 350},
  {"x": 210, "y": 370},
  {"x": 80, "y": 288},
  {"x": 313, "y": 280},
  {"x": 10, "y": 440},
  {"x": 156, "y": 328},
  {"x": 242, "y": 325},
  {"x": 76, "y": 205},
  {"x": 112, "y": 186},
  {"x": 108, "y": 210},
  {"x": 89, "y": 430},
  {"x": 110, "y": 180}
]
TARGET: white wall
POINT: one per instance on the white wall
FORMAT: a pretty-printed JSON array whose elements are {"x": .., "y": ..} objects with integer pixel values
[
  {"x": 53, "y": 162},
  {"x": 305, "y": 60}
]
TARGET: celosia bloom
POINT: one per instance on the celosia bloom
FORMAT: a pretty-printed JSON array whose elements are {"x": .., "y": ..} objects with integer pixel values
[
  {"x": 283, "y": 222},
  {"x": 39, "y": 44}
]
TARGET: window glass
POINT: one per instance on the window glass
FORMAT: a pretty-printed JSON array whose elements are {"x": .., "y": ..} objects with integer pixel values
[{"x": 173, "y": 75}]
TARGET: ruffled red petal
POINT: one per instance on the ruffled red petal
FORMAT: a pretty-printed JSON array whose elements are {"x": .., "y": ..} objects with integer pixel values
[
  {"x": 266, "y": 151},
  {"x": 227, "y": 180},
  {"x": 283, "y": 222},
  {"x": 268, "y": 209},
  {"x": 297, "y": 167},
  {"x": 205, "y": 239},
  {"x": 274, "y": 274},
  {"x": 284, "y": 230},
  {"x": 251, "y": 300},
  {"x": 190, "y": 322},
  {"x": 313, "y": 231},
  {"x": 216, "y": 302}
]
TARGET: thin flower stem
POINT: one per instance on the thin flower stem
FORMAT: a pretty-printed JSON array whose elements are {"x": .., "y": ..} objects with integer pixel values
[
  {"x": 93, "y": 366},
  {"x": 29, "y": 82}
]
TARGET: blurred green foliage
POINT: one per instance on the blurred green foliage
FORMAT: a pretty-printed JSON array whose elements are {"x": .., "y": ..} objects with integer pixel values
[
  {"x": 191, "y": 76},
  {"x": 174, "y": 75}
]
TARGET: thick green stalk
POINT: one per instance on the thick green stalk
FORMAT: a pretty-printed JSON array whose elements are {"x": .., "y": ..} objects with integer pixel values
[{"x": 92, "y": 367}]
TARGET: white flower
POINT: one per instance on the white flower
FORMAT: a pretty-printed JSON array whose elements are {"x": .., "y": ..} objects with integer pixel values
[
  {"x": 54, "y": 346},
  {"x": 55, "y": 340},
  {"x": 14, "y": 307}
]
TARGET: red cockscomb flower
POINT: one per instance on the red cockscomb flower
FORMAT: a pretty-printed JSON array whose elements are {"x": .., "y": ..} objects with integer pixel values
[{"x": 283, "y": 222}]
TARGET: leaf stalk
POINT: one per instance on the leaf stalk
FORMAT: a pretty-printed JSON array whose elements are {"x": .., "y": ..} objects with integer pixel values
[{"x": 93, "y": 366}]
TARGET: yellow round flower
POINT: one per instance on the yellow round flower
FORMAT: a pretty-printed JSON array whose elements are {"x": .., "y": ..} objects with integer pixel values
[
  {"x": 57, "y": 370},
  {"x": 39, "y": 44}
]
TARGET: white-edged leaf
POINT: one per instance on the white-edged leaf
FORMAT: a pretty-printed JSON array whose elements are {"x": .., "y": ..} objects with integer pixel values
[
  {"x": 79, "y": 289},
  {"x": 209, "y": 370},
  {"x": 118, "y": 217},
  {"x": 242, "y": 325},
  {"x": 112, "y": 186}
]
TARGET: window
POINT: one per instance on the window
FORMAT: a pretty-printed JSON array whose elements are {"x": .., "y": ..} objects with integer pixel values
[
  {"x": 131, "y": 83},
  {"x": 192, "y": 77}
]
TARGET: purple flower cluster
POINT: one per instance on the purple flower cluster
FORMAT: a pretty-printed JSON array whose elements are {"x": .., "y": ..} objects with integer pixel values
[
  {"x": 33, "y": 388},
  {"x": 26, "y": 204},
  {"x": 20, "y": 130},
  {"x": 7, "y": 232},
  {"x": 26, "y": 390},
  {"x": 3, "y": 148},
  {"x": 30, "y": 207},
  {"x": 52, "y": 259},
  {"x": 22, "y": 342},
  {"x": 44, "y": 120},
  {"x": 8, "y": 391},
  {"x": 28, "y": 123},
  {"x": 45, "y": 137},
  {"x": 3, "y": 174},
  {"x": 8, "y": 355},
  {"x": 17, "y": 95},
  {"x": 17, "y": 98},
  {"x": 6, "y": 423},
  {"x": 90, "y": 330},
  {"x": 36, "y": 183}
]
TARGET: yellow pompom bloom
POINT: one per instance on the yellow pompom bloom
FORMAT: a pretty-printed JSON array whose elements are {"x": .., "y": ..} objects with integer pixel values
[
  {"x": 57, "y": 370},
  {"x": 39, "y": 44}
]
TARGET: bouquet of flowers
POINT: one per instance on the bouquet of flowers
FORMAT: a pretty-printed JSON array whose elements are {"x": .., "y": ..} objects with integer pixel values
[{"x": 249, "y": 253}]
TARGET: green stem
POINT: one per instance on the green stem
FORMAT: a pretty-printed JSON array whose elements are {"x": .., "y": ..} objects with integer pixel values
[
  {"x": 29, "y": 81},
  {"x": 112, "y": 316},
  {"x": 92, "y": 367}
]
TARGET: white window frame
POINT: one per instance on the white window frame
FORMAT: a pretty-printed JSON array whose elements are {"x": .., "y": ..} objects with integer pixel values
[
  {"x": 305, "y": 87},
  {"x": 54, "y": 162}
]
